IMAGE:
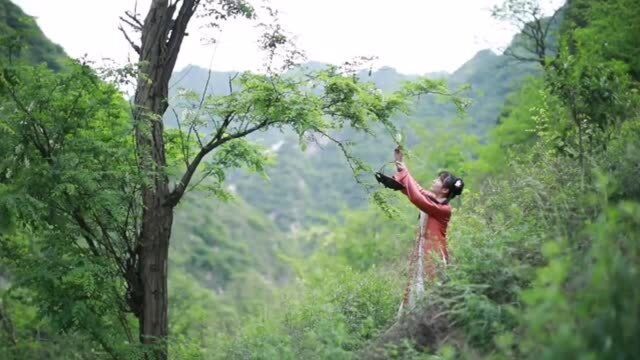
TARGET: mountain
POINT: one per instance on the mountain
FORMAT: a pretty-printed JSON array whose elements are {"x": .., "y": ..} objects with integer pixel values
[{"x": 20, "y": 29}]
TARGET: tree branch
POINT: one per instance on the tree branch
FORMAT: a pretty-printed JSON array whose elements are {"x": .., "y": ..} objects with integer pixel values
[
  {"x": 218, "y": 140},
  {"x": 135, "y": 27},
  {"x": 345, "y": 152},
  {"x": 126, "y": 36},
  {"x": 231, "y": 78},
  {"x": 108, "y": 244},
  {"x": 87, "y": 232},
  {"x": 551, "y": 19},
  {"x": 137, "y": 24},
  {"x": 42, "y": 148},
  {"x": 178, "y": 31},
  {"x": 185, "y": 153},
  {"x": 511, "y": 53}
]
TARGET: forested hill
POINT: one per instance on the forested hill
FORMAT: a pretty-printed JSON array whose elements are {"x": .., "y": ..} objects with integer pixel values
[{"x": 22, "y": 31}]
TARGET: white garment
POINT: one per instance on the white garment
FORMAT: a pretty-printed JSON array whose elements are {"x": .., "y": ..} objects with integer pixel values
[{"x": 416, "y": 286}]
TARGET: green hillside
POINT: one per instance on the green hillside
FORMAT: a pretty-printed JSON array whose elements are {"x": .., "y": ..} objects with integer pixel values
[{"x": 28, "y": 41}]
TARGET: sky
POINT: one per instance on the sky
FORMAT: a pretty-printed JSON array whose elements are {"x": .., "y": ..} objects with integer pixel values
[{"x": 413, "y": 36}]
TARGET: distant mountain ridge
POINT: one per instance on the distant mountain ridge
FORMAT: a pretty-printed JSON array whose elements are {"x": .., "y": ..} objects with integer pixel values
[{"x": 490, "y": 75}]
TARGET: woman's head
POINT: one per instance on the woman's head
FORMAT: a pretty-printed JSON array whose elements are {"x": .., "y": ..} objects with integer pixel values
[{"x": 447, "y": 186}]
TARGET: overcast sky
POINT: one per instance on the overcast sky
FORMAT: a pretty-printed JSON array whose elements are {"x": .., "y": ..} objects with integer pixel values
[{"x": 413, "y": 36}]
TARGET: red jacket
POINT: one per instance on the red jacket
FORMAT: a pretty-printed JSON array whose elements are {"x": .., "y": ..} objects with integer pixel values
[{"x": 439, "y": 213}]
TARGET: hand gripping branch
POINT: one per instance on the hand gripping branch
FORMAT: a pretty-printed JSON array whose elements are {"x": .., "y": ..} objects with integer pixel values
[{"x": 387, "y": 181}]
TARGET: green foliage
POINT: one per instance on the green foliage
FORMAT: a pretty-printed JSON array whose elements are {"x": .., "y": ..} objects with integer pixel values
[
  {"x": 605, "y": 30},
  {"x": 584, "y": 306},
  {"x": 66, "y": 149},
  {"x": 218, "y": 249},
  {"x": 332, "y": 319}
]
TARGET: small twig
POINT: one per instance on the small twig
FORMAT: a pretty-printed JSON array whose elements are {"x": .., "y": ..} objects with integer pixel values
[
  {"x": 185, "y": 154},
  {"x": 231, "y": 82},
  {"x": 134, "y": 26},
  {"x": 346, "y": 154},
  {"x": 134, "y": 17},
  {"x": 133, "y": 45},
  {"x": 195, "y": 131}
]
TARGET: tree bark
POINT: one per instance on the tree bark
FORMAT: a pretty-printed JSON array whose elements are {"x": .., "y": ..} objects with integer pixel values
[
  {"x": 161, "y": 38},
  {"x": 154, "y": 253}
]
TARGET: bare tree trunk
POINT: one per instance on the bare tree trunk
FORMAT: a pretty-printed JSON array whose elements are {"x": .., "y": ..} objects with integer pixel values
[
  {"x": 154, "y": 253},
  {"x": 161, "y": 37},
  {"x": 162, "y": 32}
]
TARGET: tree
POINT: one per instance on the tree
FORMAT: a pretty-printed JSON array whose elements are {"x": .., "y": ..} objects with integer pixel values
[
  {"x": 592, "y": 83},
  {"x": 533, "y": 43},
  {"x": 66, "y": 197}
]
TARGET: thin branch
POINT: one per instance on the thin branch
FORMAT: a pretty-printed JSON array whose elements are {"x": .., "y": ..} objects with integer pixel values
[
  {"x": 345, "y": 152},
  {"x": 109, "y": 243},
  {"x": 204, "y": 91},
  {"x": 202, "y": 99},
  {"x": 43, "y": 149},
  {"x": 225, "y": 123},
  {"x": 231, "y": 78},
  {"x": 133, "y": 45},
  {"x": 135, "y": 27},
  {"x": 176, "y": 82},
  {"x": 185, "y": 154},
  {"x": 213, "y": 120},
  {"x": 511, "y": 53},
  {"x": 130, "y": 215},
  {"x": 551, "y": 20},
  {"x": 134, "y": 18},
  {"x": 88, "y": 234},
  {"x": 198, "y": 138},
  {"x": 187, "y": 9}
]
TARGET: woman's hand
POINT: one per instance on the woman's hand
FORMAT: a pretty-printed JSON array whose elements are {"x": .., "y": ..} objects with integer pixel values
[
  {"x": 399, "y": 158},
  {"x": 397, "y": 154}
]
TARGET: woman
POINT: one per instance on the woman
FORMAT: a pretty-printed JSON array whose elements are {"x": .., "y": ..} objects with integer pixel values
[{"x": 435, "y": 213}]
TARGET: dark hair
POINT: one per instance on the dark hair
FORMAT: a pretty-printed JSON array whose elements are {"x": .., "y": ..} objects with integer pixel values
[{"x": 455, "y": 185}]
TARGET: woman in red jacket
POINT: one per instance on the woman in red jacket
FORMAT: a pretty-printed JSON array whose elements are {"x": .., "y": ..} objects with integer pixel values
[{"x": 435, "y": 213}]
